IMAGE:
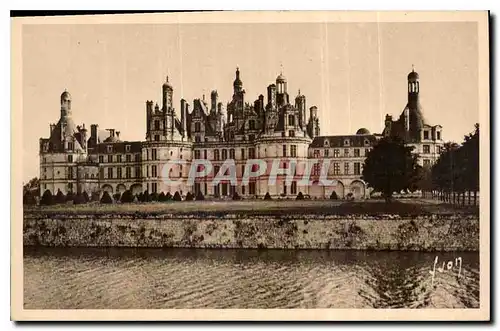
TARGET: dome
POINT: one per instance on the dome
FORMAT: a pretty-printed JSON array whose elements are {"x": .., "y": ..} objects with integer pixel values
[
  {"x": 281, "y": 78},
  {"x": 362, "y": 131},
  {"x": 413, "y": 76},
  {"x": 167, "y": 83},
  {"x": 65, "y": 95}
]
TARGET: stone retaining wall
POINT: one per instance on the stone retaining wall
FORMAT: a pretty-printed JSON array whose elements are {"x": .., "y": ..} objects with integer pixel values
[{"x": 426, "y": 233}]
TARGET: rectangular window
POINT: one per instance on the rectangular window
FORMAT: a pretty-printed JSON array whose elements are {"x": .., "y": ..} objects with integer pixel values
[
  {"x": 426, "y": 134},
  {"x": 70, "y": 172},
  {"x": 438, "y": 135},
  {"x": 70, "y": 187},
  {"x": 197, "y": 139},
  {"x": 242, "y": 169},
  {"x": 243, "y": 190},
  {"x": 427, "y": 163},
  {"x": 291, "y": 133},
  {"x": 70, "y": 146},
  {"x": 157, "y": 125},
  {"x": 137, "y": 157},
  {"x": 137, "y": 172},
  {"x": 197, "y": 127},
  {"x": 153, "y": 154},
  {"x": 197, "y": 154},
  {"x": 316, "y": 153},
  {"x": 293, "y": 188},
  {"x": 70, "y": 158},
  {"x": 346, "y": 168},
  {"x": 119, "y": 172},
  {"x": 216, "y": 155},
  {"x": 316, "y": 169},
  {"x": 326, "y": 152},
  {"x": 242, "y": 153},
  {"x": 128, "y": 158},
  {"x": 284, "y": 189},
  {"x": 216, "y": 170},
  {"x": 284, "y": 150},
  {"x": 346, "y": 152},
  {"x": 205, "y": 154},
  {"x": 154, "y": 187},
  {"x": 110, "y": 158},
  {"x": 147, "y": 171},
  {"x": 224, "y": 154},
  {"x": 101, "y": 173},
  {"x": 291, "y": 120},
  {"x": 356, "y": 152},
  {"x": 336, "y": 153},
  {"x": 128, "y": 172},
  {"x": 336, "y": 168},
  {"x": 357, "y": 168},
  {"x": 119, "y": 158},
  {"x": 231, "y": 154},
  {"x": 153, "y": 171},
  {"x": 251, "y": 153},
  {"x": 293, "y": 151},
  {"x": 427, "y": 149},
  {"x": 110, "y": 172}
]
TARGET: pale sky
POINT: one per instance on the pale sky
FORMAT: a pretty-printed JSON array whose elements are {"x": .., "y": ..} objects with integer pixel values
[{"x": 354, "y": 73}]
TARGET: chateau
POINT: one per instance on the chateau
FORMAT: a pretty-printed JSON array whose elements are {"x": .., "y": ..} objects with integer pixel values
[{"x": 269, "y": 129}]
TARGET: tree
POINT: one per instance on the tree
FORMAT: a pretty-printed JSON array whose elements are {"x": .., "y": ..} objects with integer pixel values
[
  {"x": 86, "y": 196},
  {"x": 300, "y": 196},
  {"x": 79, "y": 199},
  {"x": 106, "y": 198},
  {"x": 334, "y": 195},
  {"x": 60, "y": 198},
  {"x": 117, "y": 196},
  {"x": 390, "y": 167},
  {"x": 189, "y": 197},
  {"x": 69, "y": 196},
  {"x": 161, "y": 197},
  {"x": 153, "y": 196},
  {"x": 199, "y": 196},
  {"x": 168, "y": 196},
  {"x": 33, "y": 186},
  {"x": 127, "y": 197},
  {"x": 28, "y": 198},
  {"x": 236, "y": 196},
  {"x": 177, "y": 196},
  {"x": 47, "y": 198},
  {"x": 267, "y": 196}
]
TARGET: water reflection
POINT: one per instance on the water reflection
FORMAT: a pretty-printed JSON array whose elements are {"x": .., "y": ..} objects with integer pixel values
[{"x": 196, "y": 278}]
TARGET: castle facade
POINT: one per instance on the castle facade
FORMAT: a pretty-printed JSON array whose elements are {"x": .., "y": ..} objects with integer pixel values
[{"x": 276, "y": 131}]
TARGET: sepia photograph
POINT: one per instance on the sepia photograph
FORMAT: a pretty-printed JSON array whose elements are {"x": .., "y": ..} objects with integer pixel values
[{"x": 251, "y": 166}]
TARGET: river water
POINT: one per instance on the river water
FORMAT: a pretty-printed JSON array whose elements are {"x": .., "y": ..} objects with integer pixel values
[{"x": 72, "y": 278}]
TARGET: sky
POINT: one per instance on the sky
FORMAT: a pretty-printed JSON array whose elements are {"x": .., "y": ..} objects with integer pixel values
[{"x": 355, "y": 73}]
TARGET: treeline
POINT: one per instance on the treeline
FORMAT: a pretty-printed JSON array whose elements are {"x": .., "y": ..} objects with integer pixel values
[{"x": 455, "y": 175}]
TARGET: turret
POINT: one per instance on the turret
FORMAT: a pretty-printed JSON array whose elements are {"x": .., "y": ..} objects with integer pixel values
[
  {"x": 167, "y": 92},
  {"x": 65, "y": 104},
  {"x": 213, "y": 100},
  {"x": 237, "y": 84}
]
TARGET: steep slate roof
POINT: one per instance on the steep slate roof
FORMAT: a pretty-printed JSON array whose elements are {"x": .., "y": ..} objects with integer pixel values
[
  {"x": 338, "y": 141},
  {"x": 119, "y": 147}
]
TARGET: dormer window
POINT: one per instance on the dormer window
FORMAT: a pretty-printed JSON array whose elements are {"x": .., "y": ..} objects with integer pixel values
[
  {"x": 110, "y": 148},
  {"x": 326, "y": 143},
  {"x": 346, "y": 142},
  {"x": 127, "y": 148},
  {"x": 367, "y": 142},
  {"x": 70, "y": 145}
]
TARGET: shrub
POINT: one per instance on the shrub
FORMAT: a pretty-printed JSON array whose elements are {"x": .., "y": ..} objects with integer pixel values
[
  {"x": 168, "y": 196},
  {"x": 236, "y": 196},
  {"x": 350, "y": 196},
  {"x": 60, "y": 198},
  {"x": 127, "y": 197},
  {"x": 161, "y": 197},
  {"x": 300, "y": 196},
  {"x": 69, "y": 197},
  {"x": 79, "y": 199},
  {"x": 267, "y": 196},
  {"x": 334, "y": 196},
  {"x": 106, "y": 198},
  {"x": 47, "y": 198},
  {"x": 153, "y": 196},
  {"x": 177, "y": 196},
  {"x": 95, "y": 196},
  {"x": 146, "y": 197},
  {"x": 117, "y": 196},
  {"x": 189, "y": 197},
  {"x": 86, "y": 196},
  {"x": 199, "y": 196},
  {"x": 28, "y": 198}
]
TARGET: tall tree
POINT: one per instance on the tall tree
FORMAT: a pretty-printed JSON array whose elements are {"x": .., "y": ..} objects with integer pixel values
[{"x": 390, "y": 167}]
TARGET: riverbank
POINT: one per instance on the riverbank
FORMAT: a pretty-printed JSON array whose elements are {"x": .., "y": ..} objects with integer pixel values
[{"x": 306, "y": 226}]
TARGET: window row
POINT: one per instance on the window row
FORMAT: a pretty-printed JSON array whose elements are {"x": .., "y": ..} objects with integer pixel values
[
  {"x": 116, "y": 158},
  {"x": 336, "y": 152},
  {"x": 356, "y": 170}
]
